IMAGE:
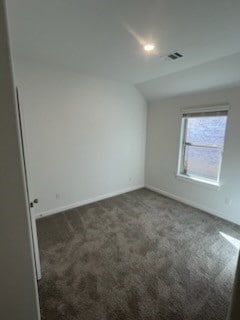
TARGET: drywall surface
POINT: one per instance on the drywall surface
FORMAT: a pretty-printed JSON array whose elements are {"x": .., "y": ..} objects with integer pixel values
[
  {"x": 18, "y": 292},
  {"x": 163, "y": 133},
  {"x": 85, "y": 135}
]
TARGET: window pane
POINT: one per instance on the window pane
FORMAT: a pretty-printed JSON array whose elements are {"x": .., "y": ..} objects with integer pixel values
[
  {"x": 206, "y": 130},
  {"x": 202, "y": 162}
]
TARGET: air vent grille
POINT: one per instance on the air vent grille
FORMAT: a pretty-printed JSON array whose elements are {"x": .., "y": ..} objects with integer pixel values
[{"x": 175, "y": 55}]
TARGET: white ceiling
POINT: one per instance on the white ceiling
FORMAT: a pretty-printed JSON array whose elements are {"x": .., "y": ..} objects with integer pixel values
[
  {"x": 220, "y": 73},
  {"x": 101, "y": 37}
]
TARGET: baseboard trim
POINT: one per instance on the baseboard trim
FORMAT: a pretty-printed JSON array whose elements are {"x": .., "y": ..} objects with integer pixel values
[
  {"x": 189, "y": 203},
  {"x": 87, "y": 201}
]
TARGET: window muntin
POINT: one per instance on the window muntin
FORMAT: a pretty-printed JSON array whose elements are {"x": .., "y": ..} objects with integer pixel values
[{"x": 202, "y": 145}]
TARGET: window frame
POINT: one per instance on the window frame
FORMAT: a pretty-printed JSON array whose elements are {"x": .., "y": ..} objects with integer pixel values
[{"x": 183, "y": 143}]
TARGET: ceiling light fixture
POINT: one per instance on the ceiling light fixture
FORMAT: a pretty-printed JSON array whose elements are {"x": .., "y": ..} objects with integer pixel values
[{"x": 149, "y": 47}]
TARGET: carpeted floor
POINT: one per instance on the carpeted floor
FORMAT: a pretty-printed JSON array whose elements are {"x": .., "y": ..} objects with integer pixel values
[{"x": 136, "y": 256}]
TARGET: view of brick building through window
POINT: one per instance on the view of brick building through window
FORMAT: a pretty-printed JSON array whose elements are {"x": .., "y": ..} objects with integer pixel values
[{"x": 204, "y": 142}]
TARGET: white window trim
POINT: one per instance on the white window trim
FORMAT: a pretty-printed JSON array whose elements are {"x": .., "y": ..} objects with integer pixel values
[
  {"x": 199, "y": 181},
  {"x": 194, "y": 179}
]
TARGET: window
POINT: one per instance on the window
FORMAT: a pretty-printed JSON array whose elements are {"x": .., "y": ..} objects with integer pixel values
[{"x": 202, "y": 143}]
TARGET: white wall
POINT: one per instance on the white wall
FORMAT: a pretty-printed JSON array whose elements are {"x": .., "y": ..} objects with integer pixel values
[
  {"x": 18, "y": 288},
  {"x": 85, "y": 136},
  {"x": 163, "y": 130}
]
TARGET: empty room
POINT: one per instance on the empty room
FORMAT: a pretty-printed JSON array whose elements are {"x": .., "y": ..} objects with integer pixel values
[{"x": 125, "y": 123}]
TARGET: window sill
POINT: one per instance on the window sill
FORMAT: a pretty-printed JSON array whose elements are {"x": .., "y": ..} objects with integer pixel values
[{"x": 199, "y": 181}]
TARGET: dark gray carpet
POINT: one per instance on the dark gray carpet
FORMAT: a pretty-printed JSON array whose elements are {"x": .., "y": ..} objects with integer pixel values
[{"x": 136, "y": 256}]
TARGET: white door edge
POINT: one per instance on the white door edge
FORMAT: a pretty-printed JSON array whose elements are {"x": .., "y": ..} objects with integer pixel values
[{"x": 32, "y": 215}]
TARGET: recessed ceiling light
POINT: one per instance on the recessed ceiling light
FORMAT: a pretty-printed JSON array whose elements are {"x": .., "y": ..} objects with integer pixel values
[{"x": 149, "y": 47}]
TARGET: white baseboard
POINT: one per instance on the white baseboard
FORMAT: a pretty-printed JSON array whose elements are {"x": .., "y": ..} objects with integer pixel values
[
  {"x": 87, "y": 201},
  {"x": 190, "y": 203}
]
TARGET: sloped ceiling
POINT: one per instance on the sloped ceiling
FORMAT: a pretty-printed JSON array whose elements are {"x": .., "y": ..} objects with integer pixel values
[
  {"x": 104, "y": 37},
  {"x": 220, "y": 73}
]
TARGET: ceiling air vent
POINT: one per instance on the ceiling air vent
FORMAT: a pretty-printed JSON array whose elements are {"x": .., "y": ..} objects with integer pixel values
[{"x": 175, "y": 55}]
